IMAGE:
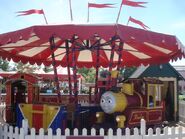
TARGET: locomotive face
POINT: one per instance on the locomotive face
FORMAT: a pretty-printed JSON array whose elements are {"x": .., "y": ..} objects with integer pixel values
[{"x": 108, "y": 102}]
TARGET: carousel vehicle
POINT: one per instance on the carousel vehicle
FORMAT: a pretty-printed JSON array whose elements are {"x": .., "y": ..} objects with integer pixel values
[
  {"x": 138, "y": 99},
  {"x": 72, "y": 46}
]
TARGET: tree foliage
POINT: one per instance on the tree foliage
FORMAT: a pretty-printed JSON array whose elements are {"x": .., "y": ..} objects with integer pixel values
[
  {"x": 48, "y": 68},
  {"x": 88, "y": 74},
  {"x": 4, "y": 64},
  {"x": 26, "y": 68}
]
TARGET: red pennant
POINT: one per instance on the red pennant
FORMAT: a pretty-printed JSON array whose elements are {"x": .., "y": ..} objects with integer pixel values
[
  {"x": 138, "y": 22},
  {"x": 94, "y": 5},
  {"x": 32, "y": 11},
  {"x": 133, "y": 3}
]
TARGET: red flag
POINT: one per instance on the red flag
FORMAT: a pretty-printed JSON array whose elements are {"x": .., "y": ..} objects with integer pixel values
[
  {"x": 32, "y": 11},
  {"x": 133, "y": 3},
  {"x": 94, "y": 5},
  {"x": 138, "y": 22}
]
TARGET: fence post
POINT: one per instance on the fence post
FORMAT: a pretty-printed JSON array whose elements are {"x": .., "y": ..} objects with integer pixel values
[
  {"x": 25, "y": 126},
  {"x": 21, "y": 135},
  {"x": 143, "y": 127}
]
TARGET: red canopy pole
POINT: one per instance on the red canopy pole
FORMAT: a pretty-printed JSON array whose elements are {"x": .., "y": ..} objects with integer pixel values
[
  {"x": 111, "y": 62},
  {"x": 68, "y": 68},
  {"x": 52, "y": 47},
  {"x": 74, "y": 69},
  {"x": 97, "y": 68},
  {"x": 120, "y": 50}
]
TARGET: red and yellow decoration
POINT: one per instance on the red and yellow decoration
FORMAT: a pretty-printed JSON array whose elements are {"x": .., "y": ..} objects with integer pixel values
[{"x": 39, "y": 116}]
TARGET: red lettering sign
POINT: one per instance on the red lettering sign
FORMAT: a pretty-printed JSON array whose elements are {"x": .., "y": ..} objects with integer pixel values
[
  {"x": 155, "y": 115},
  {"x": 136, "y": 116}
]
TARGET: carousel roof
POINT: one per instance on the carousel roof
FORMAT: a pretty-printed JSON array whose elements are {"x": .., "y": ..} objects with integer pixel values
[{"x": 84, "y": 44}]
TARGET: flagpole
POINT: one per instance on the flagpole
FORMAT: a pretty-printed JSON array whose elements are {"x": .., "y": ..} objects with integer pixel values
[
  {"x": 88, "y": 14},
  {"x": 70, "y": 10},
  {"x": 128, "y": 21},
  {"x": 119, "y": 13},
  {"x": 45, "y": 17}
]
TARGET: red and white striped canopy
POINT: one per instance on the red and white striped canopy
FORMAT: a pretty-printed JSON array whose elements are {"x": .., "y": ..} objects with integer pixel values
[{"x": 121, "y": 44}]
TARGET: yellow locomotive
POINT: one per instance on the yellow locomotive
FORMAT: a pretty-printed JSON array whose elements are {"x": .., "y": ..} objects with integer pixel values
[{"x": 137, "y": 99}]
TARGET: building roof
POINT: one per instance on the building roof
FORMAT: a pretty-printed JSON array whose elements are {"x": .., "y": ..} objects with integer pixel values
[
  {"x": 164, "y": 70},
  {"x": 139, "y": 71},
  {"x": 181, "y": 70}
]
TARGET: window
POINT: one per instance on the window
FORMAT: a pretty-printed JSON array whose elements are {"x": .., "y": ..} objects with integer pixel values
[
  {"x": 151, "y": 95},
  {"x": 158, "y": 92},
  {"x": 154, "y": 95}
]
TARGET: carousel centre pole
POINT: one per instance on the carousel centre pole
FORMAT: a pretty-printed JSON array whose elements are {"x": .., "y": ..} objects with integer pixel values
[
  {"x": 97, "y": 68},
  {"x": 73, "y": 41}
]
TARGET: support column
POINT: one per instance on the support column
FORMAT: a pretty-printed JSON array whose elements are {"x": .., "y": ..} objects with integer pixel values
[
  {"x": 74, "y": 69},
  {"x": 111, "y": 62},
  {"x": 120, "y": 51},
  {"x": 96, "y": 79},
  {"x": 68, "y": 68},
  {"x": 53, "y": 47}
]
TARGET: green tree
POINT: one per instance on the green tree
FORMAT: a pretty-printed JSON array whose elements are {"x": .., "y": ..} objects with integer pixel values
[
  {"x": 48, "y": 68},
  {"x": 88, "y": 74},
  {"x": 104, "y": 73},
  {"x": 4, "y": 64},
  {"x": 27, "y": 68}
]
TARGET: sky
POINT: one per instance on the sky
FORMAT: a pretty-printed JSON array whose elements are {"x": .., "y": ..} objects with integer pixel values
[{"x": 163, "y": 16}]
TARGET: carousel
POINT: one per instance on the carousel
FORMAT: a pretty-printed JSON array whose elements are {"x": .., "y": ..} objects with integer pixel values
[{"x": 73, "y": 46}]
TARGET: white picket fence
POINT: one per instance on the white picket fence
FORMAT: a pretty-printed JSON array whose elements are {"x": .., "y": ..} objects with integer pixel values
[{"x": 8, "y": 132}]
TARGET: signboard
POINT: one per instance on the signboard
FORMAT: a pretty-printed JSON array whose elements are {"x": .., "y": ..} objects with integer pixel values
[
  {"x": 136, "y": 116},
  {"x": 155, "y": 115}
]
